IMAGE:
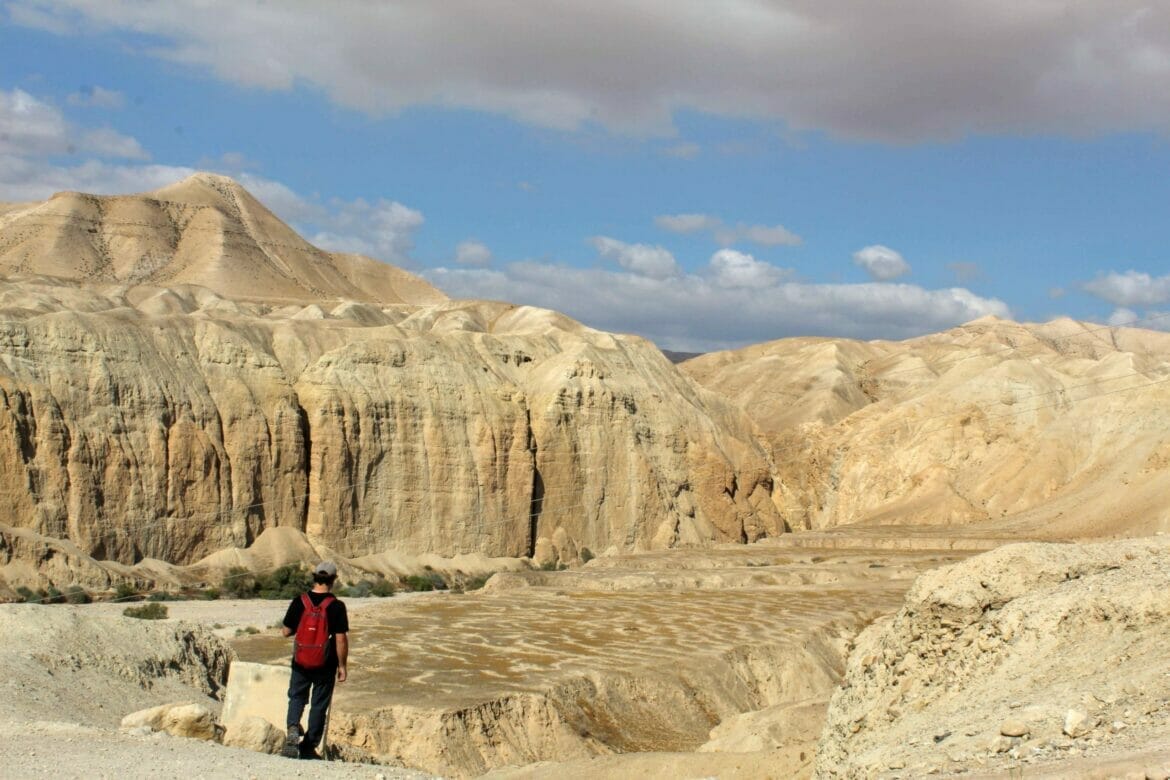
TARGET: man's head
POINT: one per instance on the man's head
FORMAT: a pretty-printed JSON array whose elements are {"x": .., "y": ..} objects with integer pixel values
[{"x": 325, "y": 573}]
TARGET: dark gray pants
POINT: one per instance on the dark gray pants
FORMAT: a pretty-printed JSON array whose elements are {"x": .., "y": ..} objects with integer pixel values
[{"x": 321, "y": 682}]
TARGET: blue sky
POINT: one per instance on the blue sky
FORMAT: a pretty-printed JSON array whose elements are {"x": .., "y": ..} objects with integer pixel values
[{"x": 704, "y": 174}]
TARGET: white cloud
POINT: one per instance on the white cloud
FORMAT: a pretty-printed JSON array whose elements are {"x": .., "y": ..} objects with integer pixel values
[
  {"x": 472, "y": 253},
  {"x": 736, "y": 269},
  {"x": 97, "y": 97},
  {"x": 33, "y": 127},
  {"x": 932, "y": 69},
  {"x": 383, "y": 229},
  {"x": 1132, "y": 288},
  {"x": 643, "y": 259},
  {"x": 696, "y": 312},
  {"x": 881, "y": 262},
  {"x": 726, "y": 235}
]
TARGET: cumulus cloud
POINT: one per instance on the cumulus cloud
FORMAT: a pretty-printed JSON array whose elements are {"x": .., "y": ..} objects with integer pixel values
[
  {"x": 726, "y": 235},
  {"x": 29, "y": 126},
  {"x": 1132, "y": 288},
  {"x": 881, "y": 262},
  {"x": 931, "y": 69},
  {"x": 650, "y": 261},
  {"x": 696, "y": 312},
  {"x": 383, "y": 229},
  {"x": 737, "y": 269},
  {"x": 96, "y": 97},
  {"x": 472, "y": 253}
]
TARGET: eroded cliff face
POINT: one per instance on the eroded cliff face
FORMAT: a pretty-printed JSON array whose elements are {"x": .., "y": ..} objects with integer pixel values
[{"x": 171, "y": 422}]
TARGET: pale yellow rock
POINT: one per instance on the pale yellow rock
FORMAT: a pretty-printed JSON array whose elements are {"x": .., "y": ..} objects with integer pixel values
[
  {"x": 181, "y": 719},
  {"x": 254, "y": 733}
]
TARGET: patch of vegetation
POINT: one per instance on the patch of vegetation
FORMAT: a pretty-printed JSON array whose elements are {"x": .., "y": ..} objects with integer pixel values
[
  {"x": 75, "y": 594},
  {"x": 125, "y": 591},
  {"x": 586, "y": 555},
  {"x": 209, "y": 594},
  {"x": 248, "y": 630},
  {"x": 430, "y": 581},
  {"x": 286, "y": 582},
  {"x": 152, "y": 610},
  {"x": 553, "y": 566},
  {"x": 379, "y": 587},
  {"x": 162, "y": 595},
  {"x": 52, "y": 596}
]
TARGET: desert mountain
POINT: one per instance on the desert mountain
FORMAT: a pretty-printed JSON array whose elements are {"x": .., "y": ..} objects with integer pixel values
[
  {"x": 172, "y": 421},
  {"x": 205, "y": 230},
  {"x": 1046, "y": 430}
]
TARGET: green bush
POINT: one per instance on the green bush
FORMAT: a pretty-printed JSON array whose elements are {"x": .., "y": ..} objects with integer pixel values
[
  {"x": 239, "y": 583},
  {"x": 287, "y": 582},
  {"x": 27, "y": 594},
  {"x": 53, "y": 596},
  {"x": 432, "y": 580},
  {"x": 125, "y": 592},
  {"x": 382, "y": 588},
  {"x": 210, "y": 594},
  {"x": 75, "y": 594},
  {"x": 477, "y": 582},
  {"x": 152, "y": 610}
]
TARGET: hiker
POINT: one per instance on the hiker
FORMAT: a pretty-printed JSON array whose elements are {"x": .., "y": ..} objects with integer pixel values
[{"x": 320, "y": 653}]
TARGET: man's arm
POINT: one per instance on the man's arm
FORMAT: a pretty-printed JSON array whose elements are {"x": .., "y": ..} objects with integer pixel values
[{"x": 342, "y": 656}]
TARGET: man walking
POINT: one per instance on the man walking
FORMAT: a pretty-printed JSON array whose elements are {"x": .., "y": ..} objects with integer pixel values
[{"x": 317, "y": 662}]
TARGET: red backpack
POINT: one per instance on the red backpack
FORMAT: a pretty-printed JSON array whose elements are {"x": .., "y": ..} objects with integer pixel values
[{"x": 311, "y": 644}]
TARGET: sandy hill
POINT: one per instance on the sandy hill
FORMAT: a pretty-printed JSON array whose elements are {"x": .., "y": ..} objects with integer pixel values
[
  {"x": 1055, "y": 429},
  {"x": 205, "y": 230}
]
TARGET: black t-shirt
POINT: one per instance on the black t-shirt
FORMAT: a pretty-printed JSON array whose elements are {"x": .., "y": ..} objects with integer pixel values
[{"x": 335, "y": 613}]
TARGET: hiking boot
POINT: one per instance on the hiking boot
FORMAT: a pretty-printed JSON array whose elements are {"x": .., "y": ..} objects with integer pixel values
[
  {"x": 311, "y": 755},
  {"x": 292, "y": 743}
]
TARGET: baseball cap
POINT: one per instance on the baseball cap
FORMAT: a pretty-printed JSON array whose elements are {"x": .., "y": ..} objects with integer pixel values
[{"x": 328, "y": 568}]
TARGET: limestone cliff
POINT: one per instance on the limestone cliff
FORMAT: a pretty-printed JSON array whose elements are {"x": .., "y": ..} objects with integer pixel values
[
  {"x": 1054, "y": 429},
  {"x": 172, "y": 422}
]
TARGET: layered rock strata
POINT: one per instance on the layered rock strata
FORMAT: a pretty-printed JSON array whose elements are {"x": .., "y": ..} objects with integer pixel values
[{"x": 171, "y": 422}]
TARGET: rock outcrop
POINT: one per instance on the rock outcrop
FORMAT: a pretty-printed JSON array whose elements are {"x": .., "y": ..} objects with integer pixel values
[
  {"x": 1029, "y": 654},
  {"x": 1051, "y": 430},
  {"x": 171, "y": 422}
]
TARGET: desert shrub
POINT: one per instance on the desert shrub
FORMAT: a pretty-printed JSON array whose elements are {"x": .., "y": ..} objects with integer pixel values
[
  {"x": 27, "y": 594},
  {"x": 164, "y": 595},
  {"x": 75, "y": 594},
  {"x": 285, "y": 583},
  {"x": 239, "y": 583},
  {"x": 477, "y": 582},
  {"x": 209, "y": 594},
  {"x": 125, "y": 591},
  {"x": 152, "y": 610},
  {"x": 246, "y": 631},
  {"x": 382, "y": 588},
  {"x": 553, "y": 566},
  {"x": 432, "y": 580},
  {"x": 53, "y": 596}
]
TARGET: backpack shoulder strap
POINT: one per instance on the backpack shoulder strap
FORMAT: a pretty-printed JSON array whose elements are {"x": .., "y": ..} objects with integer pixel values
[{"x": 308, "y": 602}]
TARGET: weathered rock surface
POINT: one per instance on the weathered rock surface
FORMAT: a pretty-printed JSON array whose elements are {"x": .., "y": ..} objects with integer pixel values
[
  {"x": 1054, "y": 429},
  {"x": 59, "y": 662},
  {"x": 179, "y": 719},
  {"x": 1025, "y": 654},
  {"x": 254, "y": 733},
  {"x": 171, "y": 422}
]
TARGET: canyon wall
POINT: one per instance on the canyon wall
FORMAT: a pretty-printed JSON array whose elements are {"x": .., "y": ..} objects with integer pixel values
[{"x": 171, "y": 422}]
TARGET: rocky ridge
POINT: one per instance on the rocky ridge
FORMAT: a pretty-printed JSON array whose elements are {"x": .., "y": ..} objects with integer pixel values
[{"x": 1037, "y": 430}]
